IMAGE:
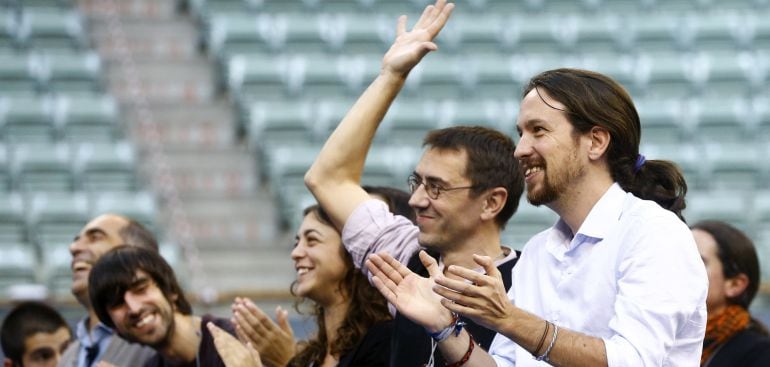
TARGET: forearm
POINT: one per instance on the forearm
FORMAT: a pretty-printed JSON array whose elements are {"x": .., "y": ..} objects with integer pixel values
[
  {"x": 336, "y": 172},
  {"x": 455, "y": 348},
  {"x": 567, "y": 348}
]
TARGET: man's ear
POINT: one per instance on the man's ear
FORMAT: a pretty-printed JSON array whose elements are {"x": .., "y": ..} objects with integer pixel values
[
  {"x": 494, "y": 203},
  {"x": 600, "y": 142},
  {"x": 736, "y": 285}
]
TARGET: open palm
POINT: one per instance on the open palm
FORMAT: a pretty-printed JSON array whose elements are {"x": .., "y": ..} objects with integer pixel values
[
  {"x": 411, "y": 294},
  {"x": 411, "y": 46}
]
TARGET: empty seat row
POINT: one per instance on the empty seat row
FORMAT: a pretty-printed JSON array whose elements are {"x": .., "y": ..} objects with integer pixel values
[
  {"x": 49, "y": 218},
  {"x": 46, "y": 119},
  {"x": 488, "y": 32},
  {"x": 206, "y": 8},
  {"x": 278, "y": 76},
  {"x": 42, "y": 28},
  {"x": 664, "y": 121},
  {"x": 33, "y": 73},
  {"x": 62, "y": 167}
]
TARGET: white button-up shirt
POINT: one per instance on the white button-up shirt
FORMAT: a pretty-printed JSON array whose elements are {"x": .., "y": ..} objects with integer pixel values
[{"x": 631, "y": 275}]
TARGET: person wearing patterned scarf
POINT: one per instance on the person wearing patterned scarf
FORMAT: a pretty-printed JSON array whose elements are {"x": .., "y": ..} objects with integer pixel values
[{"x": 733, "y": 337}]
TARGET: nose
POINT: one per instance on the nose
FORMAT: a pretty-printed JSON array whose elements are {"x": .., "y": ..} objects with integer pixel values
[
  {"x": 133, "y": 302},
  {"x": 298, "y": 251},
  {"x": 523, "y": 148},
  {"x": 76, "y": 246},
  {"x": 419, "y": 198}
]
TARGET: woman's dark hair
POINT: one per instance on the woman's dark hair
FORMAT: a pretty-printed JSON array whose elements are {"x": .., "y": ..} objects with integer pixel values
[
  {"x": 367, "y": 307},
  {"x": 397, "y": 200},
  {"x": 115, "y": 273},
  {"x": 592, "y": 99},
  {"x": 738, "y": 255}
]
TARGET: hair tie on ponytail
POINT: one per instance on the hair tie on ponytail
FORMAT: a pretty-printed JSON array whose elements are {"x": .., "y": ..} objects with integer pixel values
[{"x": 639, "y": 163}]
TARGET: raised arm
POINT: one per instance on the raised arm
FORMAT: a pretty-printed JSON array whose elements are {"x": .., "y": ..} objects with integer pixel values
[{"x": 335, "y": 176}]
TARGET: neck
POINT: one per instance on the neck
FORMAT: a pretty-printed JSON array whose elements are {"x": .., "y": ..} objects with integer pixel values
[
  {"x": 334, "y": 314},
  {"x": 185, "y": 339},
  {"x": 93, "y": 320},
  {"x": 574, "y": 204},
  {"x": 485, "y": 241}
]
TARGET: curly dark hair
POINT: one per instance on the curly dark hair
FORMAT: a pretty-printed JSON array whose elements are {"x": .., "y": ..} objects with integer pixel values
[{"x": 367, "y": 307}]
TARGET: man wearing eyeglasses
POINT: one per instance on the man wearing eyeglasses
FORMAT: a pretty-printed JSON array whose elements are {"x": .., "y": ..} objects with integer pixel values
[{"x": 464, "y": 189}]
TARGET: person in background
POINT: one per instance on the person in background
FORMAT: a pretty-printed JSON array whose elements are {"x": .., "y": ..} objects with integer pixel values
[
  {"x": 733, "y": 337},
  {"x": 134, "y": 291},
  {"x": 94, "y": 341},
  {"x": 34, "y": 335},
  {"x": 275, "y": 341}
]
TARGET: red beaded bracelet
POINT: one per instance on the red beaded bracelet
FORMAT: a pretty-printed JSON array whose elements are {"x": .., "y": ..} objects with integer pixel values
[{"x": 467, "y": 355}]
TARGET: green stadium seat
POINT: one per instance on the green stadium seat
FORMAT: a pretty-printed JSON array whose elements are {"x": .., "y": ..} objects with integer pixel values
[
  {"x": 17, "y": 265},
  {"x": 471, "y": 33},
  {"x": 295, "y": 32},
  {"x": 734, "y": 166},
  {"x": 68, "y": 73},
  {"x": 5, "y": 169},
  {"x": 18, "y": 74},
  {"x": 669, "y": 74},
  {"x": 43, "y": 28},
  {"x": 257, "y": 76},
  {"x": 654, "y": 31},
  {"x": 13, "y": 228},
  {"x": 38, "y": 167},
  {"x": 230, "y": 34},
  {"x": 408, "y": 121},
  {"x": 495, "y": 75},
  {"x": 728, "y": 206},
  {"x": 663, "y": 120},
  {"x": 54, "y": 218},
  {"x": 87, "y": 119},
  {"x": 8, "y": 26},
  {"x": 361, "y": 33},
  {"x": 140, "y": 206},
  {"x": 438, "y": 76},
  {"x": 499, "y": 114},
  {"x": 720, "y": 120},
  {"x": 105, "y": 167},
  {"x": 276, "y": 123},
  {"x": 533, "y": 34},
  {"x": 689, "y": 158},
  {"x": 27, "y": 119},
  {"x": 316, "y": 76}
]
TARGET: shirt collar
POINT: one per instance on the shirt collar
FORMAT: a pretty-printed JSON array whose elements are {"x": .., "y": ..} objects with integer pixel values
[
  {"x": 607, "y": 210},
  {"x": 87, "y": 339}
]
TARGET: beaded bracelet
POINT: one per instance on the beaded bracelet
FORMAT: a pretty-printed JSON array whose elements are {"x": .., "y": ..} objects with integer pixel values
[{"x": 467, "y": 354}]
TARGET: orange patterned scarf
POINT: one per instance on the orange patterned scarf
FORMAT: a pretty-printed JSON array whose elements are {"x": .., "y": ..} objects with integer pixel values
[{"x": 721, "y": 327}]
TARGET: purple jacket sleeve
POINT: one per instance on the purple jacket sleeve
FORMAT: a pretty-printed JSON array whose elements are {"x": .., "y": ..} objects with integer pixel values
[{"x": 372, "y": 228}]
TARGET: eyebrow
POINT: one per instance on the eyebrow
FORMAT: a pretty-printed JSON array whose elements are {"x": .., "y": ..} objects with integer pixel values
[
  {"x": 431, "y": 179},
  {"x": 311, "y": 230},
  {"x": 139, "y": 281}
]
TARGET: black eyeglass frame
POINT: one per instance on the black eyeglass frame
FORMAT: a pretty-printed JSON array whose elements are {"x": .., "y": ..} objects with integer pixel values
[{"x": 433, "y": 190}]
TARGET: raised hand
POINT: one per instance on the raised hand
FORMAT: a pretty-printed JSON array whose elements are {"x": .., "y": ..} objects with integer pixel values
[
  {"x": 481, "y": 298},
  {"x": 411, "y": 46},
  {"x": 411, "y": 294},
  {"x": 233, "y": 352},
  {"x": 275, "y": 342}
]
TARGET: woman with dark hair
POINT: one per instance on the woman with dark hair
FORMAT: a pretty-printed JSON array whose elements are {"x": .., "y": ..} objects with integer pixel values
[
  {"x": 733, "y": 337},
  {"x": 354, "y": 323}
]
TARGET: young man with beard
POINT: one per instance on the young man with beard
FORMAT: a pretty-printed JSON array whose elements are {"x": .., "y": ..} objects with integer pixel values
[
  {"x": 33, "y": 335},
  {"x": 96, "y": 342},
  {"x": 465, "y": 188},
  {"x": 617, "y": 281},
  {"x": 135, "y": 292}
]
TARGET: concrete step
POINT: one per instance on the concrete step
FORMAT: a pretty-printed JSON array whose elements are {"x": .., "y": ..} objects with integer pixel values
[
  {"x": 231, "y": 269},
  {"x": 162, "y": 81},
  {"x": 147, "y": 39},
  {"x": 204, "y": 126},
  {"x": 152, "y": 9}
]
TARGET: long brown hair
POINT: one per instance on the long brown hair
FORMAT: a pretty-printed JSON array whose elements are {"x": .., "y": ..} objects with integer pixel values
[{"x": 366, "y": 308}]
